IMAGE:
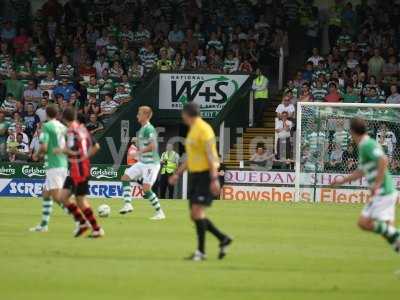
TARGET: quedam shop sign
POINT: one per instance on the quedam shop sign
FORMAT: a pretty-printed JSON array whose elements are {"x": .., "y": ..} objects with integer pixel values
[{"x": 279, "y": 187}]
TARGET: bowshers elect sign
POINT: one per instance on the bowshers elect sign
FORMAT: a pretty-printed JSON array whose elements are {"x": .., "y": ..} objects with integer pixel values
[{"x": 210, "y": 91}]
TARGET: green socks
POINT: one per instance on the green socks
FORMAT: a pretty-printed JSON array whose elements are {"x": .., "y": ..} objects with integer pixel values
[
  {"x": 153, "y": 200},
  {"x": 390, "y": 233},
  {"x": 47, "y": 207},
  {"x": 127, "y": 192}
]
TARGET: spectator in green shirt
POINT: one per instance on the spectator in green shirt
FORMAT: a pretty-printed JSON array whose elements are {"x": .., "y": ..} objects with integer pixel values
[
  {"x": 14, "y": 86},
  {"x": 350, "y": 96}
]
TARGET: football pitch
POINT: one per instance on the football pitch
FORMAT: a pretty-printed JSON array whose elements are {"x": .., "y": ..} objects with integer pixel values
[{"x": 281, "y": 251}]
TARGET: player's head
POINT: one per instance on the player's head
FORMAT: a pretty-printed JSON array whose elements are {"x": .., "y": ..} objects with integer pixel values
[
  {"x": 144, "y": 114},
  {"x": 69, "y": 115},
  {"x": 190, "y": 112},
  {"x": 358, "y": 128},
  {"x": 51, "y": 112}
]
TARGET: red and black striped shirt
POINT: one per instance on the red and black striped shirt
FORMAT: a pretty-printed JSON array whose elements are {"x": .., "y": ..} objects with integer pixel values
[{"x": 80, "y": 142}]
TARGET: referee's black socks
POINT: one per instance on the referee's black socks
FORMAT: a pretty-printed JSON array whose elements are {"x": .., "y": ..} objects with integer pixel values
[
  {"x": 214, "y": 230},
  {"x": 201, "y": 227}
]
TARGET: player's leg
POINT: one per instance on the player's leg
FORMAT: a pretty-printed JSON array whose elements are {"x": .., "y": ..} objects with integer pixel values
[
  {"x": 72, "y": 207},
  {"x": 51, "y": 191},
  {"x": 197, "y": 215},
  {"x": 150, "y": 173},
  {"x": 47, "y": 208},
  {"x": 130, "y": 174},
  {"x": 200, "y": 198},
  {"x": 85, "y": 207},
  {"x": 378, "y": 217}
]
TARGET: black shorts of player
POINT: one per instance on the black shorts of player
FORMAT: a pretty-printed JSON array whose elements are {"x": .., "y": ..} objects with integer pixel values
[
  {"x": 199, "y": 189},
  {"x": 80, "y": 189}
]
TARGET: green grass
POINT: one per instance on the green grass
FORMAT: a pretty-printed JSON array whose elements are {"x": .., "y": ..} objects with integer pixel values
[{"x": 281, "y": 251}]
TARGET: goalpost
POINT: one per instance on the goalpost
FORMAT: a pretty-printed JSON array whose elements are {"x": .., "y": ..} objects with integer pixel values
[{"x": 323, "y": 143}]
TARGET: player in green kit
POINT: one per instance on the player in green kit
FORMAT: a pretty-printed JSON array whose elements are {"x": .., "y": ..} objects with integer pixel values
[
  {"x": 56, "y": 165},
  {"x": 146, "y": 168},
  {"x": 379, "y": 214}
]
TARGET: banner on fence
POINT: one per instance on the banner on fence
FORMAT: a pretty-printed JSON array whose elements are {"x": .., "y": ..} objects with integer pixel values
[
  {"x": 36, "y": 171},
  {"x": 288, "y": 178},
  {"x": 210, "y": 91},
  {"x": 26, "y": 180},
  {"x": 26, "y": 187},
  {"x": 287, "y": 194}
]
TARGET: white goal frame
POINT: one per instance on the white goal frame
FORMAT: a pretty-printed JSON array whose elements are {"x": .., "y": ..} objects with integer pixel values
[{"x": 298, "y": 131}]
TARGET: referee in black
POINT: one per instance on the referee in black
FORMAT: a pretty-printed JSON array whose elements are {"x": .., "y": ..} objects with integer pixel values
[{"x": 202, "y": 163}]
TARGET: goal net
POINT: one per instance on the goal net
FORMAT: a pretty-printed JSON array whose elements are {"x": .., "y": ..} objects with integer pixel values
[{"x": 325, "y": 150}]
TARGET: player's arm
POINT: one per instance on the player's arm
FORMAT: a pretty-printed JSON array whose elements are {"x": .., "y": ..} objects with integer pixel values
[
  {"x": 44, "y": 140},
  {"x": 382, "y": 166},
  {"x": 357, "y": 174},
  {"x": 213, "y": 164},
  {"x": 94, "y": 149},
  {"x": 151, "y": 147},
  {"x": 68, "y": 149}
]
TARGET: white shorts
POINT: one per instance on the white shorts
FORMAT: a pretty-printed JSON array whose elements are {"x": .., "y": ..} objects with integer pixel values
[
  {"x": 148, "y": 172},
  {"x": 55, "y": 178},
  {"x": 381, "y": 208}
]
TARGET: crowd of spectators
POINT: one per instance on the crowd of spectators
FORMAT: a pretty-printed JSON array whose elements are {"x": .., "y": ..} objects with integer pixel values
[
  {"x": 93, "y": 54},
  {"x": 362, "y": 66}
]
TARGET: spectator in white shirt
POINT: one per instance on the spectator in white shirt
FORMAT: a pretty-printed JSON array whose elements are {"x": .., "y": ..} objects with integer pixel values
[
  {"x": 283, "y": 128},
  {"x": 285, "y": 106},
  {"x": 351, "y": 62},
  {"x": 387, "y": 139},
  {"x": 100, "y": 65},
  {"x": 261, "y": 157},
  {"x": 315, "y": 57},
  {"x": 41, "y": 111},
  {"x": 394, "y": 97},
  {"x": 32, "y": 94}
]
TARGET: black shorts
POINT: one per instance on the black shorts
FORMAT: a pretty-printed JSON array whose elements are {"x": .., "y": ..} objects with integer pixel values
[
  {"x": 80, "y": 189},
  {"x": 199, "y": 189}
]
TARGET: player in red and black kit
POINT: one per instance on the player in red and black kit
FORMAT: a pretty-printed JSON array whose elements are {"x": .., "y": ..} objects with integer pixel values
[{"x": 80, "y": 147}]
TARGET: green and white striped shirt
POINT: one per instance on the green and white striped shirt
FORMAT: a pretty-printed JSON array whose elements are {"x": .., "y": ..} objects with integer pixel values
[
  {"x": 215, "y": 44},
  {"x": 316, "y": 141},
  {"x": 342, "y": 138},
  {"x": 149, "y": 60},
  {"x": 147, "y": 135},
  {"x": 93, "y": 90},
  {"x": 231, "y": 65},
  {"x": 319, "y": 94},
  {"x": 369, "y": 153}
]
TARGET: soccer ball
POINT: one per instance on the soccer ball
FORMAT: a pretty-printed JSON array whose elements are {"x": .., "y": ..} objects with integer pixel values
[{"x": 104, "y": 210}]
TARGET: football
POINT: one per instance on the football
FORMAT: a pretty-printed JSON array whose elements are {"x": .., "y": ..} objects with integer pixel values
[{"x": 103, "y": 210}]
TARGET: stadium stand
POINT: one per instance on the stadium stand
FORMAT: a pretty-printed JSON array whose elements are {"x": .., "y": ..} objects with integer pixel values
[{"x": 93, "y": 54}]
